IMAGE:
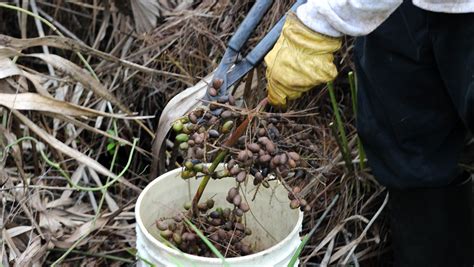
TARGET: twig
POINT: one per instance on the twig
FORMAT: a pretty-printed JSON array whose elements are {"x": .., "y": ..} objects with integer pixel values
[
  {"x": 99, "y": 255},
  {"x": 355, "y": 242},
  {"x": 223, "y": 152}
]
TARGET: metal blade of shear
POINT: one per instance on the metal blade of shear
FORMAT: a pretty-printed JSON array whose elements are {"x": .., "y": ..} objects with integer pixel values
[{"x": 237, "y": 41}]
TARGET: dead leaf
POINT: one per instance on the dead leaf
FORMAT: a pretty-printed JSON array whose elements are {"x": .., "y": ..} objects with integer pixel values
[
  {"x": 145, "y": 13},
  {"x": 15, "y": 150},
  {"x": 33, "y": 253},
  {"x": 14, "y": 252},
  {"x": 75, "y": 177},
  {"x": 18, "y": 230},
  {"x": 54, "y": 220},
  {"x": 80, "y": 157},
  {"x": 69, "y": 44},
  {"x": 8, "y": 68},
  {"x": 32, "y": 101},
  {"x": 108, "y": 199},
  {"x": 79, "y": 75},
  {"x": 176, "y": 107},
  {"x": 83, "y": 230}
]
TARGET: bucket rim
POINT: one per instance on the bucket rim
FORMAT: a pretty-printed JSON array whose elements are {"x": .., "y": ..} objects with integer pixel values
[{"x": 296, "y": 229}]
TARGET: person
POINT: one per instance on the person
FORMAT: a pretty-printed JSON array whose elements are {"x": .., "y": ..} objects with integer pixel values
[{"x": 415, "y": 76}]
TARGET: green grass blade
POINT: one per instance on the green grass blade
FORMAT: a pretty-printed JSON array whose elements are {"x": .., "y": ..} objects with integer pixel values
[
  {"x": 340, "y": 125},
  {"x": 353, "y": 87},
  {"x": 308, "y": 236}
]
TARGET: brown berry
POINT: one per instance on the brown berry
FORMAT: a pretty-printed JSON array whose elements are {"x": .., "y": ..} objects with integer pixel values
[
  {"x": 212, "y": 91},
  {"x": 231, "y": 100},
  {"x": 242, "y": 156},
  {"x": 221, "y": 233},
  {"x": 178, "y": 217},
  {"x": 270, "y": 147},
  {"x": 245, "y": 249},
  {"x": 217, "y": 83},
  {"x": 276, "y": 160},
  {"x": 254, "y": 147},
  {"x": 294, "y": 204},
  {"x": 202, "y": 206},
  {"x": 226, "y": 212},
  {"x": 291, "y": 163},
  {"x": 213, "y": 133},
  {"x": 192, "y": 117},
  {"x": 233, "y": 192},
  {"x": 237, "y": 200},
  {"x": 296, "y": 189},
  {"x": 263, "y": 140},
  {"x": 248, "y": 231},
  {"x": 235, "y": 170},
  {"x": 294, "y": 156},
  {"x": 231, "y": 164},
  {"x": 161, "y": 225},
  {"x": 210, "y": 203},
  {"x": 166, "y": 233},
  {"x": 172, "y": 226},
  {"x": 283, "y": 159},
  {"x": 216, "y": 222},
  {"x": 238, "y": 213},
  {"x": 244, "y": 207},
  {"x": 303, "y": 202},
  {"x": 241, "y": 176},
  {"x": 239, "y": 227},
  {"x": 177, "y": 238},
  {"x": 226, "y": 114}
]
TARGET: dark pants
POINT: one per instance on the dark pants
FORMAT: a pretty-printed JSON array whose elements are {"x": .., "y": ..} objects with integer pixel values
[
  {"x": 416, "y": 107},
  {"x": 416, "y": 95}
]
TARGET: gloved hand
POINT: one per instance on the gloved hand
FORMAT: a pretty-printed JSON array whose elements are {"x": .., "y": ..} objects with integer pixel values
[{"x": 300, "y": 60}]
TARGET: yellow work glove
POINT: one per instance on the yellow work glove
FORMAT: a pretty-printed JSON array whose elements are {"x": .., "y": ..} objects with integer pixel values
[{"x": 300, "y": 60}]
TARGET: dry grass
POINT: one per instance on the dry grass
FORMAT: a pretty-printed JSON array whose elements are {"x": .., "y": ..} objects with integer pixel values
[{"x": 67, "y": 129}]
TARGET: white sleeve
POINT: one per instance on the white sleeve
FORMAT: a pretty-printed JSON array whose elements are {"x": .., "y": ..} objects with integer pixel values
[{"x": 351, "y": 17}]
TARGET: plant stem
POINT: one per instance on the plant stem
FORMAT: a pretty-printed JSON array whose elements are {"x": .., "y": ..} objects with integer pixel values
[
  {"x": 340, "y": 126},
  {"x": 223, "y": 152},
  {"x": 360, "y": 148},
  {"x": 339, "y": 133},
  {"x": 220, "y": 157},
  {"x": 345, "y": 155},
  {"x": 352, "y": 85}
]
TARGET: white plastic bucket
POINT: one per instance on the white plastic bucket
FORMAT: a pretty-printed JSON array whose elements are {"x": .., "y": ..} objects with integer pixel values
[{"x": 275, "y": 227}]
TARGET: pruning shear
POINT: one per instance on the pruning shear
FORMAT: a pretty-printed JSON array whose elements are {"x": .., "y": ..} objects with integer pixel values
[{"x": 231, "y": 68}]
